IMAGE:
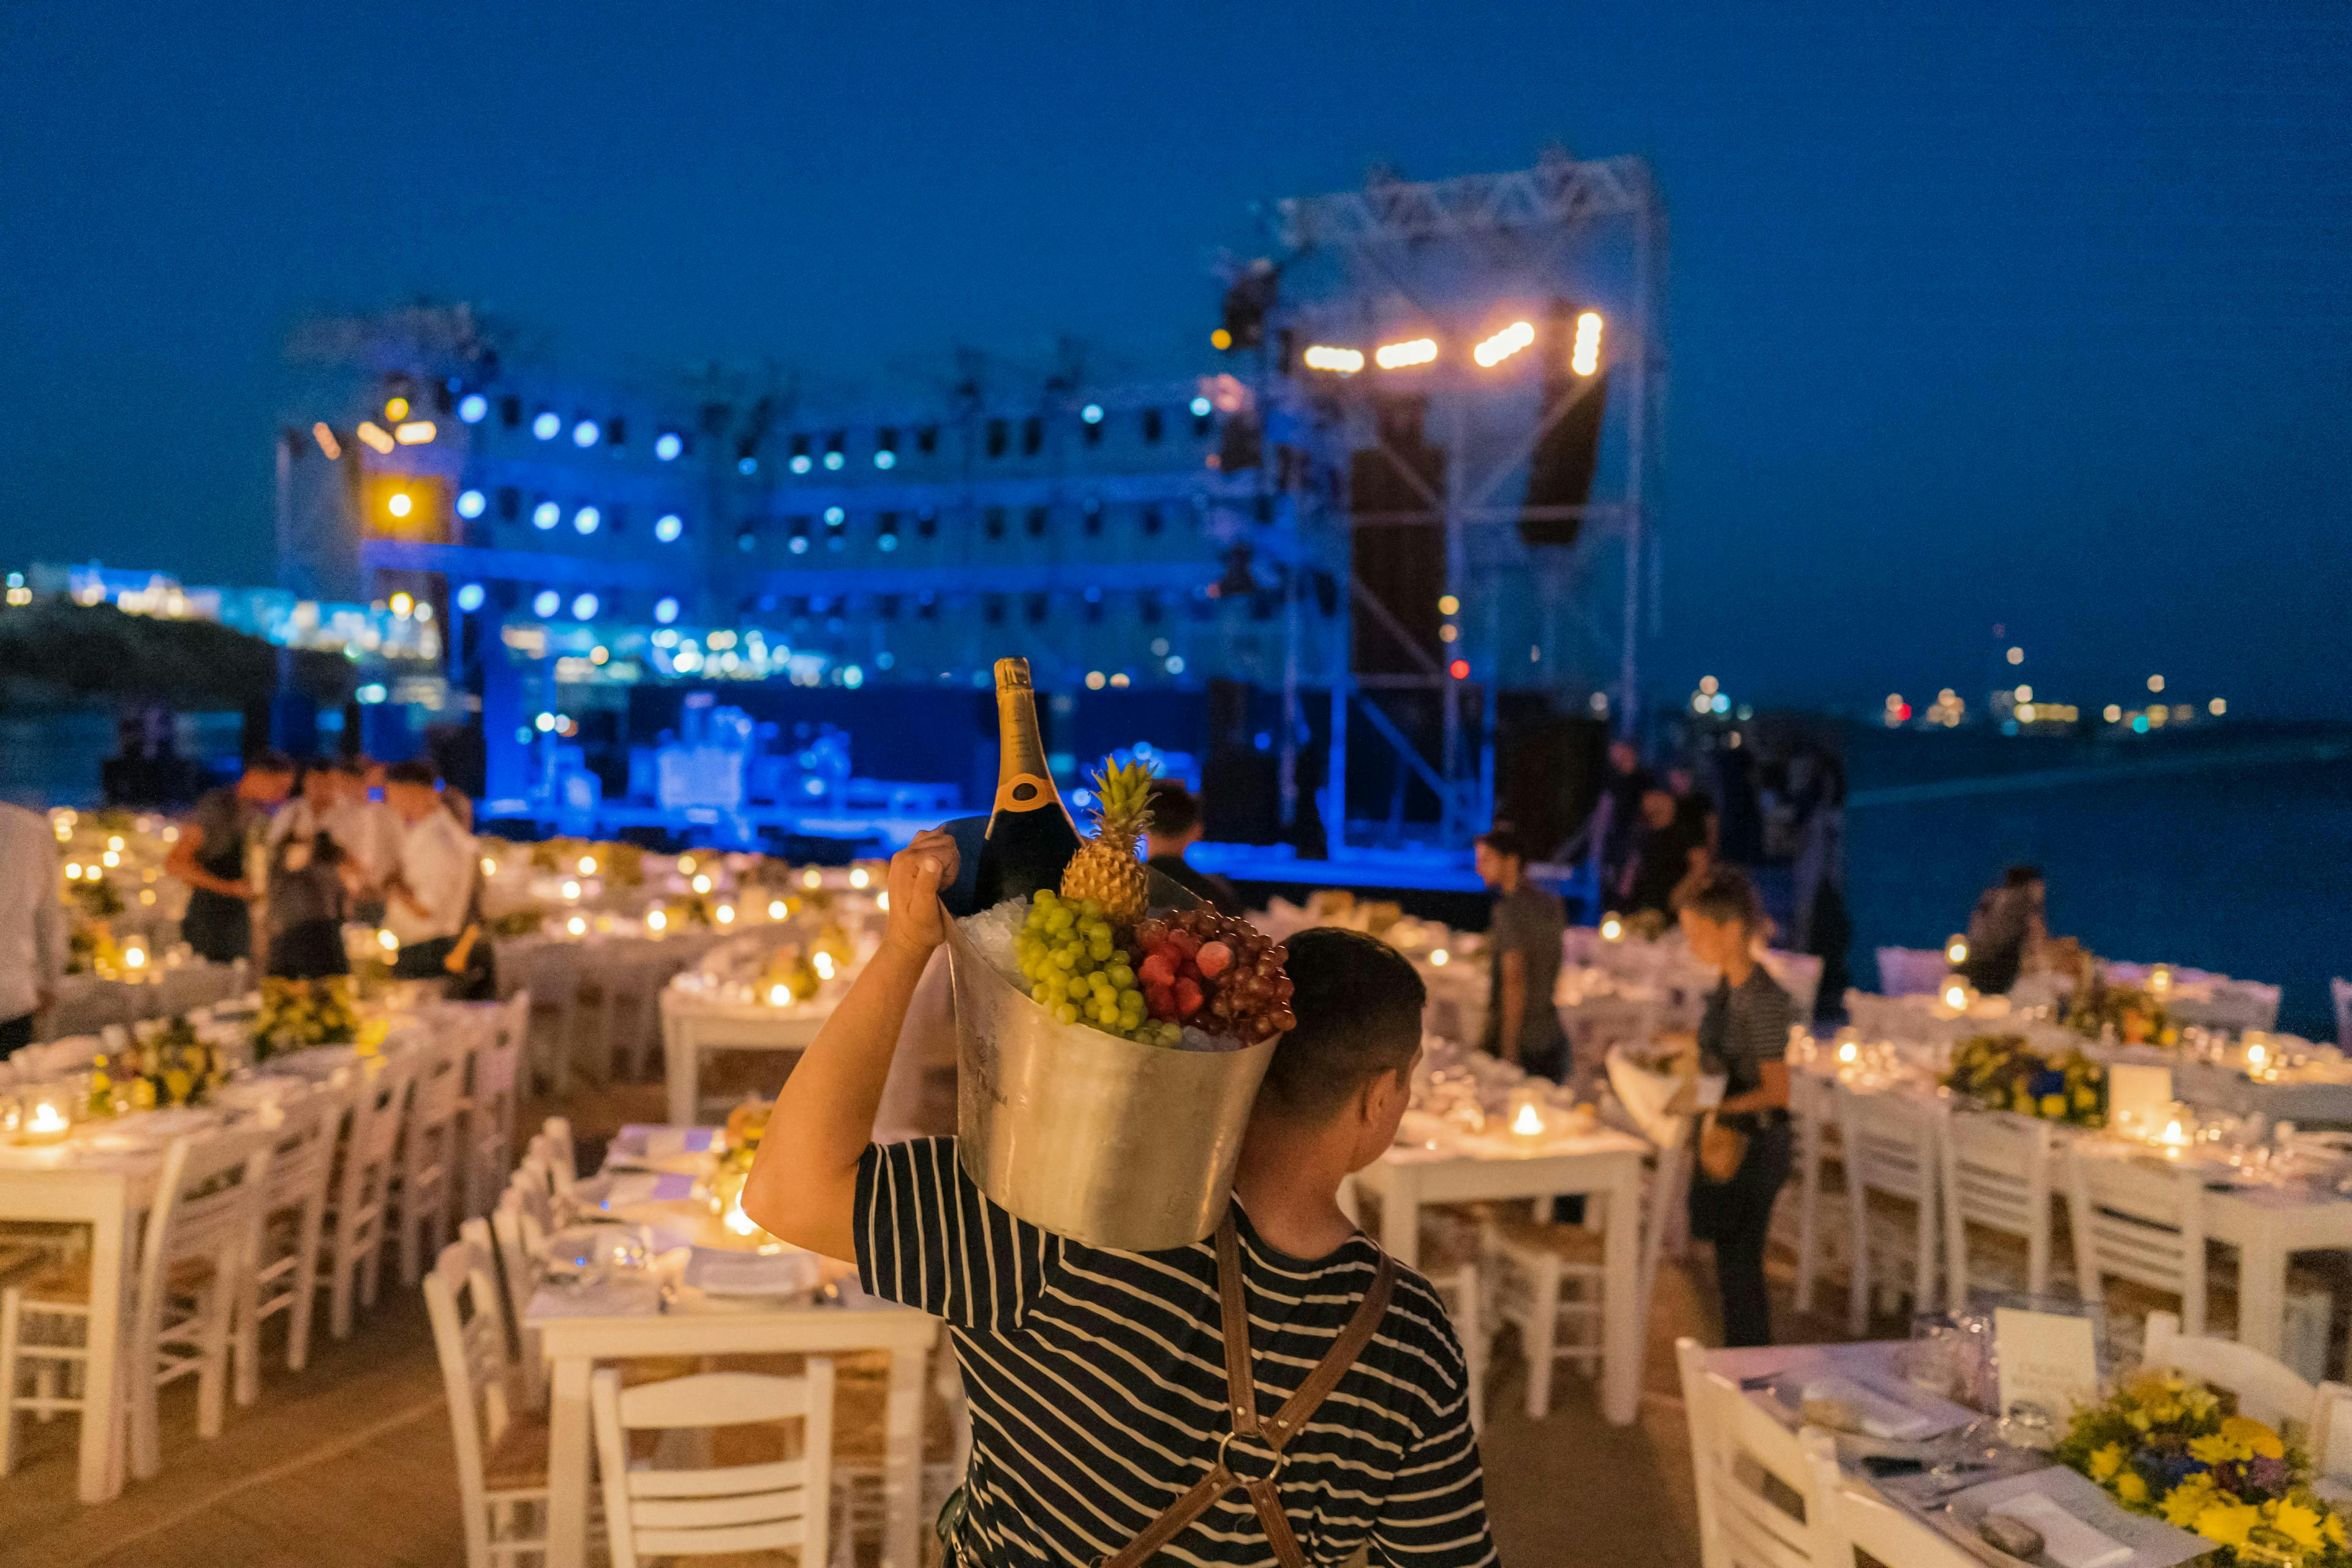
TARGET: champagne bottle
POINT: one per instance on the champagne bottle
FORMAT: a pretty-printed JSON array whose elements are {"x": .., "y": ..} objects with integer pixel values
[{"x": 1030, "y": 836}]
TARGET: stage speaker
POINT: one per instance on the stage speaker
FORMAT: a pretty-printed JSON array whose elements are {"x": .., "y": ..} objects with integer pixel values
[
  {"x": 1398, "y": 542},
  {"x": 1568, "y": 451}
]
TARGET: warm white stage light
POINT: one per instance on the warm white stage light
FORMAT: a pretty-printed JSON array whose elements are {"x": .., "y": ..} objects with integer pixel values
[
  {"x": 1414, "y": 351},
  {"x": 1504, "y": 345},
  {"x": 1339, "y": 361},
  {"x": 1584, "y": 358}
]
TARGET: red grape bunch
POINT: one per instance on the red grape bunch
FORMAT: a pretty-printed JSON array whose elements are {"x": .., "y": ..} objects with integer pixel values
[{"x": 1221, "y": 975}]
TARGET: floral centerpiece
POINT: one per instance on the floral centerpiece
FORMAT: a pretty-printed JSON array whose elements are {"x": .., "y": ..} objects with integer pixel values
[
  {"x": 165, "y": 1064},
  {"x": 2167, "y": 1447},
  {"x": 298, "y": 1013},
  {"x": 2002, "y": 1072},
  {"x": 2135, "y": 1015}
]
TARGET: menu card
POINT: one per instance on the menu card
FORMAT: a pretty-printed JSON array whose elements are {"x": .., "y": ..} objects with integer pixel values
[{"x": 2049, "y": 1361}]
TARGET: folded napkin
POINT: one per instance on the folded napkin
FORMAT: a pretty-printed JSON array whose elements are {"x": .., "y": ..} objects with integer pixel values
[
  {"x": 638, "y": 1188},
  {"x": 2065, "y": 1540},
  {"x": 718, "y": 1272},
  {"x": 1881, "y": 1415},
  {"x": 650, "y": 1142}
]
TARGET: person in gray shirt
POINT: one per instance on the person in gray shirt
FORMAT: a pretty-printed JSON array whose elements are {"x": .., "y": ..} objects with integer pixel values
[{"x": 1523, "y": 947}]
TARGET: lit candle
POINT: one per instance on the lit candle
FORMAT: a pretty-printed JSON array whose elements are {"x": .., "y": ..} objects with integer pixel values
[
  {"x": 386, "y": 940},
  {"x": 587, "y": 864},
  {"x": 2256, "y": 1055},
  {"x": 776, "y": 909},
  {"x": 779, "y": 995},
  {"x": 1849, "y": 1052},
  {"x": 701, "y": 884},
  {"x": 656, "y": 920},
  {"x": 1439, "y": 957},
  {"x": 2159, "y": 980},
  {"x": 134, "y": 957},
  {"x": 859, "y": 876},
  {"x": 576, "y": 926},
  {"x": 1956, "y": 995},
  {"x": 811, "y": 878},
  {"x": 882, "y": 900},
  {"x": 1527, "y": 1121},
  {"x": 724, "y": 914},
  {"x": 1612, "y": 928},
  {"x": 686, "y": 865},
  {"x": 44, "y": 1119},
  {"x": 489, "y": 867},
  {"x": 571, "y": 889},
  {"x": 823, "y": 964},
  {"x": 1956, "y": 951}
]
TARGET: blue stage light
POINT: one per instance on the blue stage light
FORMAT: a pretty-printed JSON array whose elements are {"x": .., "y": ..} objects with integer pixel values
[
  {"x": 371, "y": 693},
  {"x": 747, "y": 466},
  {"x": 669, "y": 527},
  {"x": 668, "y": 446},
  {"x": 587, "y": 519},
  {"x": 1092, "y": 414},
  {"x": 888, "y": 541},
  {"x": 473, "y": 407},
  {"x": 834, "y": 517},
  {"x": 544, "y": 723},
  {"x": 853, "y": 677},
  {"x": 798, "y": 545},
  {"x": 546, "y": 603},
  {"x": 886, "y": 459},
  {"x": 470, "y": 503},
  {"x": 546, "y": 424},
  {"x": 469, "y": 598},
  {"x": 546, "y": 514},
  {"x": 886, "y": 659},
  {"x": 584, "y": 434},
  {"x": 1201, "y": 406},
  {"x": 799, "y": 463},
  {"x": 583, "y": 609},
  {"x": 666, "y": 609}
]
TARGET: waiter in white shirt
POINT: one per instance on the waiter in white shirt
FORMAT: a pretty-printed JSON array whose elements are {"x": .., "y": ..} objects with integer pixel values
[
  {"x": 431, "y": 894},
  {"x": 370, "y": 833},
  {"x": 32, "y": 924}
]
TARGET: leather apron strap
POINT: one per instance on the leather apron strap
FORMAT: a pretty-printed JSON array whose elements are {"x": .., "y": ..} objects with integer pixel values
[{"x": 1271, "y": 1437}]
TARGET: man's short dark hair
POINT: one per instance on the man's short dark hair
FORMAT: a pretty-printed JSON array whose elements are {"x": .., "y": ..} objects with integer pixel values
[
  {"x": 1504, "y": 839},
  {"x": 1358, "y": 1004},
  {"x": 1175, "y": 810},
  {"x": 1725, "y": 895},
  {"x": 411, "y": 773},
  {"x": 270, "y": 762},
  {"x": 2022, "y": 875}
]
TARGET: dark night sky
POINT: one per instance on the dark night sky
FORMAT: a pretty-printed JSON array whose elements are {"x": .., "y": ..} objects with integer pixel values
[{"x": 2036, "y": 316}]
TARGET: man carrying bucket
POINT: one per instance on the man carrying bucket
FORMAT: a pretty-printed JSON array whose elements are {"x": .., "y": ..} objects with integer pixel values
[{"x": 1280, "y": 1393}]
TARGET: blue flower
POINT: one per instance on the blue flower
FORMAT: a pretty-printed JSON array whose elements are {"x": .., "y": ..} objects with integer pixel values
[{"x": 2047, "y": 1081}]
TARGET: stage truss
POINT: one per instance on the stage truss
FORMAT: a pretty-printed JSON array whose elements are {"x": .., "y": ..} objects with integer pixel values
[{"x": 1449, "y": 259}]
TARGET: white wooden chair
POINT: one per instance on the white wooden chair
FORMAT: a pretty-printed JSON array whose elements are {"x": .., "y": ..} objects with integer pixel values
[
  {"x": 554, "y": 1142},
  {"x": 2267, "y": 1389},
  {"x": 501, "y": 1457},
  {"x": 352, "y": 1250},
  {"x": 430, "y": 1171},
  {"x": 1812, "y": 1104},
  {"x": 2141, "y": 1223},
  {"x": 551, "y": 972},
  {"x": 1890, "y": 1156},
  {"x": 288, "y": 1225},
  {"x": 518, "y": 1232},
  {"x": 195, "y": 1245},
  {"x": 1735, "y": 1445},
  {"x": 662, "y": 1511},
  {"x": 629, "y": 977},
  {"x": 2330, "y": 1442},
  {"x": 1855, "y": 1520},
  {"x": 1549, "y": 1281},
  {"x": 492, "y": 1103},
  {"x": 1997, "y": 1176}
]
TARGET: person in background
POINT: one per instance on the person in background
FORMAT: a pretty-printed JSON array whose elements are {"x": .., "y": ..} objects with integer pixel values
[
  {"x": 209, "y": 856},
  {"x": 1743, "y": 1035},
  {"x": 1609, "y": 834},
  {"x": 426, "y": 903},
  {"x": 307, "y": 896},
  {"x": 1099, "y": 1381},
  {"x": 1820, "y": 923},
  {"x": 1694, "y": 808},
  {"x": 1523, "y": 949},
  {"x": 2005, "y": 929},
  {"x": 1176, "y": 827},
  {"x": 370, "y": 835},
  {"x": 32, "y": 924},
  {"x": 1672, "y": 852}
]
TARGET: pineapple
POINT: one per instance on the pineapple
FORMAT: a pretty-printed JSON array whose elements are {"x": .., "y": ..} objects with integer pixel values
[{"x": 1105, "y": 867}]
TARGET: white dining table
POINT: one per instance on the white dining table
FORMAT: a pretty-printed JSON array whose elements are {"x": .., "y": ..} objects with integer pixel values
[
  {"x": 694, "y": 1025},
  {"x": 66, "y": 1185},
  {"x": 1604, "y": 1165},
  {"x": 575, "y": 1342}
]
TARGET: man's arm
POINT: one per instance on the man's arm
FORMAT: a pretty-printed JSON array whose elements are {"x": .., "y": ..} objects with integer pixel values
[
  {"x": 182, "y": 863},
  {"x": 1514, "y": 1003},
  {"x": 804, "y": 1184},
  {"x": 51, "y": 938}
]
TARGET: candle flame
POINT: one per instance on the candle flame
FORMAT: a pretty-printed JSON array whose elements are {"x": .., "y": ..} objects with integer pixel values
[
  {"x": 1439, "y": 957},
  {"x": 1612, "y": 928},
  {"x": 1529, "y": 1121},
  {"x": 823, "y": 964},
  {"x": 779, "y": 995},
  {"x": 1848, "y": 1051}
]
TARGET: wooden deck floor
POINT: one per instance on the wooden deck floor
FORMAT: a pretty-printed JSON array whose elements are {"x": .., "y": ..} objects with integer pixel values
[{"x": 350, "y": 1462}]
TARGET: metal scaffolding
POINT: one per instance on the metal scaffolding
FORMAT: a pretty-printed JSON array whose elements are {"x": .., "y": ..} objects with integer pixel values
[{"x": 1451, "y": 261}]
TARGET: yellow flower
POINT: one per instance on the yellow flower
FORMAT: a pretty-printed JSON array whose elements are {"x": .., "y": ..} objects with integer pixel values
[
  {"x": 2332, "y": 1527},
  {"x": 2219, "y": 1449},
  {"x": 2297, "y": 1522},
  {"x": 2228, "y": 1523},
  {"x": 2260, "y": 1440},
  {"x": 2186, "y": 1501},
  {"x": 2131, "y": 1488},
  {"x": 2107, "y": 1461},
  {"x": 2053, "y": 1106}
]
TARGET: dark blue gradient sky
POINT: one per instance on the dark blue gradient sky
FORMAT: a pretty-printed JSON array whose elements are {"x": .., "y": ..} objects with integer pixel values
[{"x": 2033, "y": 314}]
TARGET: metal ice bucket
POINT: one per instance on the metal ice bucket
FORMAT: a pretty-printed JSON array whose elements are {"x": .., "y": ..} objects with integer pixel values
[{"x": 1102, "y": 1139}]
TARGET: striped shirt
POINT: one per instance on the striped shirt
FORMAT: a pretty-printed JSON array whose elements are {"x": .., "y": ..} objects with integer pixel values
[{"x": 1096, "y": 1382}]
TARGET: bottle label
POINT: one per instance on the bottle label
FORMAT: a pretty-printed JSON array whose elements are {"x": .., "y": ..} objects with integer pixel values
[{"x": 1024, "y": 792}]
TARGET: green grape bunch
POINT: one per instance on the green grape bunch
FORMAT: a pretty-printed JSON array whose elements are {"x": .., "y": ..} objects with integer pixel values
[{"x": 1070, "y": 954}]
